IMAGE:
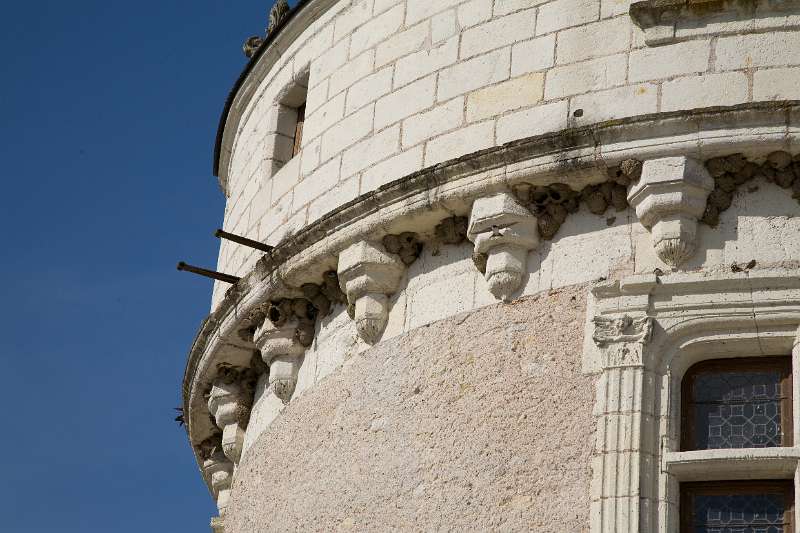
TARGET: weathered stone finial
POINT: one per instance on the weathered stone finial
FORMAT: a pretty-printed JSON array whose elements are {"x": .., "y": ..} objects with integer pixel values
[
  {"x": 251, "y": 45},
  {"x": 503, "y": 231},
  {"x": 368, "y": 276},
  {"x": 278, "y": 12},
  {"x": 669, "y": 199}
]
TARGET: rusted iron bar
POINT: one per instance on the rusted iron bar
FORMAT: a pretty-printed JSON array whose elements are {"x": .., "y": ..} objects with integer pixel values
[
  {"x": 227, "y": 278},
  {"x": 244, "y": 241}
]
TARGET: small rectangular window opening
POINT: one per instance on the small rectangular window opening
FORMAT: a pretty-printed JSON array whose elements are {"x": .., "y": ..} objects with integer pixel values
[{"x": 298, "y": 130}]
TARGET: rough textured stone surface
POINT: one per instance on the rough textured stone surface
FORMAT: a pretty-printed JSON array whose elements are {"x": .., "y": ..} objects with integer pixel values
[{"x": 479, "y": 421}]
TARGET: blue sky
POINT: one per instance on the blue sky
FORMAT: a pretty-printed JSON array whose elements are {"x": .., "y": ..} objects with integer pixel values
[{"x": 109, "y": 111}]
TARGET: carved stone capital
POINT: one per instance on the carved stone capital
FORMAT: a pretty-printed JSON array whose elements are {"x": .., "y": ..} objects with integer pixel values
[
  {"x": 669, "y": 200},
  {"x": 504, "y": 231},
  {"x": 622, "y": 340},
  {"x": 220, "y": 470},
  {"x": 368, "y": 276}
]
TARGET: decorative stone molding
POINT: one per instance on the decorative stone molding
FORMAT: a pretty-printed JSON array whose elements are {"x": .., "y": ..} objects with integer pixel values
[
  {"x": 282, "y": 343},
  {"x": 624, "y": 417},
  {"x": 280, "y": 10},
  {"x": 251, "y": 45},
  {"x": 659, "y": 19},
  {"x": 368, "y": 276},
  {"x": 504, "y": 231},
  {"x": 749, "y": 463},
  {"x": 229, "y": 402},
  {"x": 669, "y": 200},
  {"x": 625, "y": 329}
]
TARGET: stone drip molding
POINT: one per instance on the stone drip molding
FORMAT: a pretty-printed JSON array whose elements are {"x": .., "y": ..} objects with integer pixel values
[
  {"x": 661, "y": 19},
  {"x": 359, "y": 253}
]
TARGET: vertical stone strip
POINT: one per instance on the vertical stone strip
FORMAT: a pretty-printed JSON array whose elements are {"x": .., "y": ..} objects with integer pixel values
[{"x": 624, "y": 443}]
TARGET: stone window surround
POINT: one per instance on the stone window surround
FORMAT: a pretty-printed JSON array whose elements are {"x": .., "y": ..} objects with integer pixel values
[
  {"x": 695, "y": 317},
  {"x": 279, "y": 145}
]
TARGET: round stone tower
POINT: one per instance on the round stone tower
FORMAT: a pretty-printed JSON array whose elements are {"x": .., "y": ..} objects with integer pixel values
[{"x": 512, "y": 245}]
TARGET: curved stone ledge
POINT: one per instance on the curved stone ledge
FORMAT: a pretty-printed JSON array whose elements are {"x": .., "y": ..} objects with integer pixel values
[
  {"x": 666, "y": 21},
  {"x": 420, "y": 202}
]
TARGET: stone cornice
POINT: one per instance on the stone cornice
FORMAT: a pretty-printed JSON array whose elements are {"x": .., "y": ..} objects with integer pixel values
[
  {"x": 658, "y": 18},
  {"x": 417, "y": 203}
]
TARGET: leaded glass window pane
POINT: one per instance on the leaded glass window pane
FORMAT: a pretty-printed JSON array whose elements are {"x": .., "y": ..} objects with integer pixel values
[
  {"x": 737, "y": 404},
  {"x": 737, "y": 507},
  {"x": 738, "y": 410}
]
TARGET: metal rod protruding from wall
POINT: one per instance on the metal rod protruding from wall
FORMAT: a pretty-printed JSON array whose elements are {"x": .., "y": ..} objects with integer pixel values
[
  {"x": 244, "y": 241},
  {"x": 227, "y": 278}
]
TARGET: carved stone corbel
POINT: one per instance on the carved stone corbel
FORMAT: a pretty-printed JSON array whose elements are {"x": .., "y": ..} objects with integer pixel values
[
  {"x": 669, "y": 199},
  {"x": 219, "y": 469},
  {"x": 229, "y": 402},
  {"x": 281, "y": 350},
  {"x": 620, "y": 502},
  {"x": 504, "y": 231},
  {"x": 368, "y": 276}
]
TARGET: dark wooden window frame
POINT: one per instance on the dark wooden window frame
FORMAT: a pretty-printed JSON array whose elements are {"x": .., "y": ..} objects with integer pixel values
[
  {"x": 780, "y": 363},
  {"x": 298, "y": 130},
  {"x": 723, "y": 488}
]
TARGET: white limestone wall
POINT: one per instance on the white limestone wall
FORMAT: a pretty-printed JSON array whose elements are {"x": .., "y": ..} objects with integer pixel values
[{"x": 399, "y": 85}]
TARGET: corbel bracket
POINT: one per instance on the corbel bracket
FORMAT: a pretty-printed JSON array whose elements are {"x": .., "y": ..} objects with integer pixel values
[
  {"x": 368, "y": 276},
  {"x": 669, "y": 199},
  {"x": 504, "y": 231}
]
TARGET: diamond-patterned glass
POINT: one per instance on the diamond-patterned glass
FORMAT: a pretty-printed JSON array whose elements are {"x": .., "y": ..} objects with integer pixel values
[
  {"x": 735, "y": 409},
  {"x": 738, "y": 513}
]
